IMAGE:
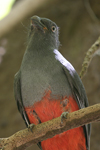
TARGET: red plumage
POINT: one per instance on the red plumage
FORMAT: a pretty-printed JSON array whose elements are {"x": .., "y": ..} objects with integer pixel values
[{"x": 48, "y": 108}]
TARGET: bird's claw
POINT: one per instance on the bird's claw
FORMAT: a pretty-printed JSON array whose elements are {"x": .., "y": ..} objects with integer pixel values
[
  {"x": 64, "y": 115},
  {"x": 30, "y": 127}
]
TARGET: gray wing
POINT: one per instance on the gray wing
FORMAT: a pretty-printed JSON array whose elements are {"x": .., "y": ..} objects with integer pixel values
[
  {"x": 77, "y": 88},
  {"x": 79, "y": 95},
  {"x": 18, "y": 97}
]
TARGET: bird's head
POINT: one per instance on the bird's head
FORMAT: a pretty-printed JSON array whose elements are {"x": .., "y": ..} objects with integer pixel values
[{"x": 44, "y": 30}]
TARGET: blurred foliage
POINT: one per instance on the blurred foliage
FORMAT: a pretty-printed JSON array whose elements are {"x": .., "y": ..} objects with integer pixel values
[{"x": 5, "y": 7}]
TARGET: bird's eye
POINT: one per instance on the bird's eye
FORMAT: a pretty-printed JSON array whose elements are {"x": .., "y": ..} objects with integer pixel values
[{"x": 53, "y": 28}]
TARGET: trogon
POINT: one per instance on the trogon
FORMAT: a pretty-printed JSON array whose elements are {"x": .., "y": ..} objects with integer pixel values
[{"x": 47, "y": 85}]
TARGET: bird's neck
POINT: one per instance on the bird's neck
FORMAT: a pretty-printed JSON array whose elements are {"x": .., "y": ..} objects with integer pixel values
[
  {"x": 38, "y": 54},
  {"x": 41, "y": 45},
  {"x": 40, "y": 51}
]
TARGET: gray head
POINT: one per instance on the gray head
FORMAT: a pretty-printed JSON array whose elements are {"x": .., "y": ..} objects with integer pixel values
[{"x": 44, "y": 31}]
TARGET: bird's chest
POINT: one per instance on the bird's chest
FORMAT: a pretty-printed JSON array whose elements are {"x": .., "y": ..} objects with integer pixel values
[{"x": 35, "y": 81}]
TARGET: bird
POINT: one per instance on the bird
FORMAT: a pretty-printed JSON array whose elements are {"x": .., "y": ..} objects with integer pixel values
[{"x": 47, "y": 85}]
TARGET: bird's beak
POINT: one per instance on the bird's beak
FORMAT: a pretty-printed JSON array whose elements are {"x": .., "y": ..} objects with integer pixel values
[{"x": 37, "y": 24}]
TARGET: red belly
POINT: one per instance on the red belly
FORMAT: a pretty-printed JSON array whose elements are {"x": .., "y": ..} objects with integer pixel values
[{"x": 49, "y": 108}]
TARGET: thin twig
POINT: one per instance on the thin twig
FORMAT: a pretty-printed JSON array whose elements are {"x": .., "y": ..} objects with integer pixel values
[{"x": 89, "y": 55}]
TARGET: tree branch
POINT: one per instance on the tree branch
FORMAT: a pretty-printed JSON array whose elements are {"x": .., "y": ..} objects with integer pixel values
[
  {"x": 89, "y": 55},
  {"x": 48, "y": 129}
]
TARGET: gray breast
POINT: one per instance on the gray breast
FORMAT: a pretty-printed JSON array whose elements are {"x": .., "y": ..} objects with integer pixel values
[{"x": 40, "y": 77}]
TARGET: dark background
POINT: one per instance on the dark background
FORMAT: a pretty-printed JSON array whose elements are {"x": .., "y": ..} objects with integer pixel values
[{"x": 78, "y": 31}]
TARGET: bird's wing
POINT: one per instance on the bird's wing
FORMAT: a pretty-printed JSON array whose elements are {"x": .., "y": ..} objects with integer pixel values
[
  {"x": 79, "y": 95},
  {"x": 77, "y": 89},
  {"x": 18, "y": 97}
]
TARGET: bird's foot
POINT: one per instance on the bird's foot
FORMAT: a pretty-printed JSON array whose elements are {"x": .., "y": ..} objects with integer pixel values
[
  {"x": 31, "y": 126},
  {"x": 64, "y": 115}
]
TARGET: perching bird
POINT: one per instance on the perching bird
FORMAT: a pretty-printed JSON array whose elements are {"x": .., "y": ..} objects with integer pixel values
[{"x": 47, "y": 85}]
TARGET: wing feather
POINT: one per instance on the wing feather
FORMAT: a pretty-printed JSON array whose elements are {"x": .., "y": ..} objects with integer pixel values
[
  {"x": 18, "y": 97},
  {"x": 77, "y": 89}
]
